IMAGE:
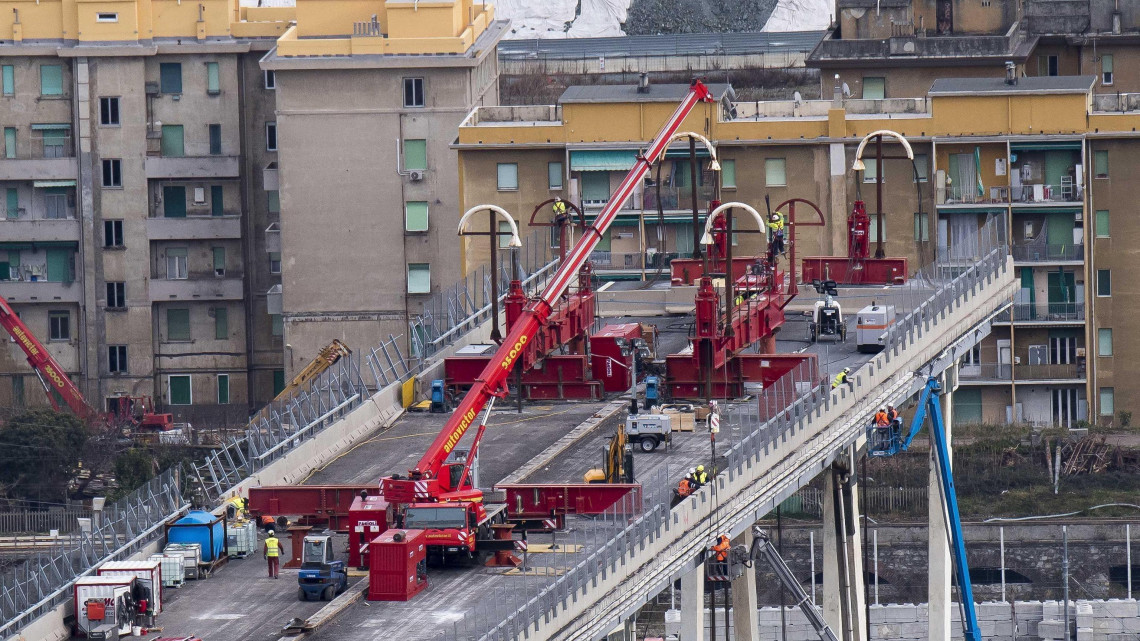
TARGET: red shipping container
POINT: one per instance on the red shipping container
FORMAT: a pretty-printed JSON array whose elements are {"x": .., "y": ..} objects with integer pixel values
[
  {"x": 367, "y": 519},
  {"x": 397, "y": 565},
  {"x": 607, "y": 363}
]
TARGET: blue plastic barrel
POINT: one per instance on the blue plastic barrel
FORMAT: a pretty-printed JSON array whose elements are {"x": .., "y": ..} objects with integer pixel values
[{"x": 202, "y": 528}]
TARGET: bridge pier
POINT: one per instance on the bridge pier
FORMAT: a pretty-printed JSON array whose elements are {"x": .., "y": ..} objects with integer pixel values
[
  {"x": 844, "y": 597},
  {"x": 938, "y": 545},
  {"x": 745, "y": 604},
  {"x": 693, "y": 605}
]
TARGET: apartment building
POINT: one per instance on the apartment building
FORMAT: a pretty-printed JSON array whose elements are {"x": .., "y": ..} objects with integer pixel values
[
  {"x": 370, "y": 95},
  {"x": 1041, "y": 159},
  {"x": 133, "y": 237}
]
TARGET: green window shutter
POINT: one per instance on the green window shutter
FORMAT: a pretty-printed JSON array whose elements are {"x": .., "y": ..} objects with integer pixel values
[
  {"x": 213, "y": 82},
  {"x": 173, "y": 142},
  {"x": 604, "y": 242},
  {"x": 51, "y": 80},
  {"x": 415, "y": 154},
  {"x": 416, "y": 215},
  {"x": 59, "y": 265},
  {"x": 1107, "y": 401},
  {"x": 9, "y": 142},
  {"x": 174, "y": 201},
  {"x": 219, "y": 260},
  {"x": 1104, "y": 341},
  {"x": 221, "y": 323},
  {"x": 180, "y": 390},
  {"x": 508, "y": 176},
  {"x": 9, "y": 80},
  {"x": 1100, "y": 164},
  {"x": 170, "y": 77},
  {"x": 217, "y": 200},
  {"x": 874, "y": 88},
  {"x": 178, "y": 324},
  {"x": 1102, "y": 223},
  {"x": 274, "y": 201},
  {"x": 775, "y": 172},
  {"x": 277, "y": 324},
  {"x": 13, "y": 203},
  {"x": 419, "y": 278},
  {"x": 278, "y": 381},
  {"x": 728, "y": 173},
  {"x": 595, "y": 186},
  {"x": 223, "y": 389},
  {"x": 554, "y": 175},
  {"x": 215, "y": 140}
]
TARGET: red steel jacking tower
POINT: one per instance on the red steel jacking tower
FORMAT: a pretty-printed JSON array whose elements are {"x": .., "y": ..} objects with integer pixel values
[{"x": 857, "y": 268}]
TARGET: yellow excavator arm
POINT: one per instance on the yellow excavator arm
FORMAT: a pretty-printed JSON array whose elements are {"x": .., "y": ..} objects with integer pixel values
[{"x": 326, "y": 358}]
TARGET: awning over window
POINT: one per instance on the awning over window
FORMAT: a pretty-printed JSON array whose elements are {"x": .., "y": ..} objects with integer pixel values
[
  {"x": 53, "y": 183},
  {"x": 50, "y": 126},
  {"x": 1045, "y": 146},
  {"x": 603, "y": 160},
  {"x": 680, "y": 149}
]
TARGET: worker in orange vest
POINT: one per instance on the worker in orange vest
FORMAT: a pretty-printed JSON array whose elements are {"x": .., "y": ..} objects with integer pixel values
[
  {"x": 721, "y": 548},
  {"x": 881, "y": 419}
]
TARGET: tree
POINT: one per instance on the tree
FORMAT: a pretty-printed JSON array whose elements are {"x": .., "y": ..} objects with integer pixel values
[
  {"x": 133, "y": 468},
  {"x": 39, "y": 453}
]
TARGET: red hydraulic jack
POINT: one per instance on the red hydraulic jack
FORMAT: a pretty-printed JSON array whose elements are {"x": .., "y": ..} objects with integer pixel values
[{"x": 503, "y": 558}]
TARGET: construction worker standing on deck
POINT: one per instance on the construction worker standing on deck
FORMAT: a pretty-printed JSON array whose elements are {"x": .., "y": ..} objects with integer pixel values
[
  {"x": 843, "y": 377},
  {"x": 272, "y": 553},
  {"x": 721, "y": 548}
]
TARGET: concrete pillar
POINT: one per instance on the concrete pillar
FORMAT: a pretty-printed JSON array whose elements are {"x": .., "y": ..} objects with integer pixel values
[
  {"x": 844, "y": 596},
  {"x": 939, "y": 579},
  {"x": 832, "y": 611},
  {"x": 856, "y": 577},
  {"x": 745, "y": 604},
  {"x": 837, "y": 196},
  {"x": 693, "y": 605}
]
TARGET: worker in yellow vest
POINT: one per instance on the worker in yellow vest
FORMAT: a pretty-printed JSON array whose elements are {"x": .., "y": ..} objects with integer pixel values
[{"x": 272, "y": 553}]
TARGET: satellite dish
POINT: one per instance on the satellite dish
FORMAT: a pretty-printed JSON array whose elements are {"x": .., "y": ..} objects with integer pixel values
[
  {"x": 846, "y": 91},
  {"x": 797, "y": 98}
]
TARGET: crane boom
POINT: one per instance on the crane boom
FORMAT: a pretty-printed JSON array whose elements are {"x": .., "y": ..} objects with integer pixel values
[
  {"x": 51, "y": 375},
  {"x": 492, "y": 381}
]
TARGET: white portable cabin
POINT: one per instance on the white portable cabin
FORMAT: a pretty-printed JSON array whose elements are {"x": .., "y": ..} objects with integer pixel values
[
  {"x": 148, "y": 572},
  {"x": 871, "y": 327},
  {"x": 102, "y": 603}
]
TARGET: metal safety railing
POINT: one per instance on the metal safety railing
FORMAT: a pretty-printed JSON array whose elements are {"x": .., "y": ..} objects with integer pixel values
[
  {"x": 43, "y": 581},
  {"x": 798, "y": 398}
]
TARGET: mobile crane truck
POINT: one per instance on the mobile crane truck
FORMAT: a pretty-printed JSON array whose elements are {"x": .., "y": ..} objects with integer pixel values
[{"x": 438, "y": 495}]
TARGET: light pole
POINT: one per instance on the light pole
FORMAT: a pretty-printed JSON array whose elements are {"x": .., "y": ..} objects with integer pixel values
[{"x": 493, "y": 234}]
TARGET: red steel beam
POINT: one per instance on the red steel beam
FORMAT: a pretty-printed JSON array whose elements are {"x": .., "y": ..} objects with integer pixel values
[{"x": 309, "y": 503}]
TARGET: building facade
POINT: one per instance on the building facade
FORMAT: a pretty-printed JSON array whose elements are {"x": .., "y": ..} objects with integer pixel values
[{"x": 1038, "y": 158}]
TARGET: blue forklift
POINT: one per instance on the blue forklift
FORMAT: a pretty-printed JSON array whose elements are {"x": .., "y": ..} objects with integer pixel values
[{"x": 321, "y": 576}]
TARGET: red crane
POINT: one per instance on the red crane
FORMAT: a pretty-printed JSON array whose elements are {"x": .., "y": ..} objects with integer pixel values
[{"x": 51, "y": 375}]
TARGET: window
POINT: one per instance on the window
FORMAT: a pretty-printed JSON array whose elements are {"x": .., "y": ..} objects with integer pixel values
[
  {"x": 921, "y": 227},
  {"x": 221, "y": 323},
  {"x": 775, "y": 172},
  {"x": 1047, "y": 65},
  {"x": 871, "y": 170},
  {"x": 117, "y": 295},
  {"x": 276, "y": 325},
  {"x": 55, "y": 203},
  {"x": 419, "y": 278},
  {"x": 223, "y": 389},
  {"x": 112, "y": 233},
  {"x": 112, "y": 172},
  {"x": 554, "y": 175},
  {"x": 278, "y": 381},
  {"x": 176, "y": 263},
  {"x": 106, "y": 17},
  {"x": 922, "y": 167},
  {"x": 274, "y": 262},
  {"x": 413, "y": 92},
  {"x": 59, "y": 326},
  {"x": 273, "y": 201},
  {"x": 270, "y": 136},
  {"x": 1102, "y": 223},
  {"x": 1106, "y": 69},
  {"x": 117, "y": 359},
  {"x": 51, "y": 80},
  {"x": 9, "y": 142},
  {"x": 1104, "y": 341},
  {"x": 217, "y": 200},
  {"x": 1103, "y": 282},
  {"x": 54, "y": 141},
  {"x": 178, "y": 392},
  {"x": 173, "y": 141},
  {"x": 213, "y": 79},
  {"x": 504, "y": 235},
  {"x": 270, "y": 79},
  {"x": 873, "y": 229},
  {"x": 728, "y": 174},
  {"x": 177, "y": 324},
  {"x": 416, "y": 215},
  {"x": 415, "y": 155},
  {"x": 1100, "y": 163},
  {"x": 215, "y": 140},
  {"x": 9, "y": 74},
  {"x": 170, "y": 77},
  {"x": 219, "y": 262},
  {"x": 874, "y": 88},
  {"x": 174, "y": 201},
  {"x": 508, "y": 176},
  {"x": 12, "y": 203},
  {"x": 1107, "y": 401},
  {"x": 109, "y": 112}
]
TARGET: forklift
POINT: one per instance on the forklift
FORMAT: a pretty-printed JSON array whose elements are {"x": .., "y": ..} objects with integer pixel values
[{"x": 321, "y": 575}]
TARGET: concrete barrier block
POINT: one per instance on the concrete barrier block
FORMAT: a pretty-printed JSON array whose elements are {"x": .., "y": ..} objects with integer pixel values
[
  {"x": 1051, "y": 629},
  {"x": 1084, "y": 634},
  {"x": 1119, "y": 608}
]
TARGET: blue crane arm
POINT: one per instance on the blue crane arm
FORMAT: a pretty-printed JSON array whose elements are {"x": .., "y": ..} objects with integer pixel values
[{"x": 929, "y": 405}]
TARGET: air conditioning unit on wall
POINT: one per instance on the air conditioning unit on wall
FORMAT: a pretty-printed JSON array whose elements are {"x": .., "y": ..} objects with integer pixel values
[{"x": 416, "y": 175}]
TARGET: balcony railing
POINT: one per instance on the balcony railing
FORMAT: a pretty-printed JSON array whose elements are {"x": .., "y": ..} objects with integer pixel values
[
  {"x": 1044, "y": 312},
  {"x": 605, "y": 260},
  {"x": 1070, "y": 371},
  {"x": 1047, "y": 253},
  {"x": 985, "y": 372},
  {"x": 1067, "y": 191},
  {"x": 673, "y": 198}
]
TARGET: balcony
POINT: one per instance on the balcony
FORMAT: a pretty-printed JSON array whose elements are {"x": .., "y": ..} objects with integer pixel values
[
  {"x": 24, "y": 228},
  {"x": 1064, "y": 193},
  {"x": 676, "y": 198},
  {"x": 192, "y": 167},
  {"x": 1066, "y": 372},
  {"x": 985, "y": 373},
  {"x": 39, "y": 168},
  {"x": 1044, "y": 313},
  {"x": 1046, "y": 253},
  {"x": 1004, "y": 373},
  {"x": 19, "y": 291},
  {"x": 197, "y": 287},
  {"x": 194, "y": 227}
]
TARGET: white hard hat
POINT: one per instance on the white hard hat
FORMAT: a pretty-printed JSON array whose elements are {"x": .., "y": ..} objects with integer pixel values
[{"x": 271, "y": 533}]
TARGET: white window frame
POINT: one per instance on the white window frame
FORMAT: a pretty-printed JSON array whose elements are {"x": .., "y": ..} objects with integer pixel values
[
  {"x": 408, "y": 272},
  {"x": 1107, "y": 77},
  {"x": 498, "y": 177},
  {"x": 1104, "y": 347},
  {"x": 767, "y": 171},
  {"x": 404, "y": 92},
  {"x": 106, "y": 16},
  {"x": 177, "y": 265},
  {"x": 270, "y": 79},
  {"x": 271, "y": 126},
  {"x": 190, "y": 378}
]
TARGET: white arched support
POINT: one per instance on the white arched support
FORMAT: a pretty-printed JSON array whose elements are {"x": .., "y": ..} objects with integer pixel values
[
  {"x": 515, "y": 240},
  {"x": 707, "y": 238},
  {"x": 714, "y": 165},
  {"x": 858, "y": 164}
]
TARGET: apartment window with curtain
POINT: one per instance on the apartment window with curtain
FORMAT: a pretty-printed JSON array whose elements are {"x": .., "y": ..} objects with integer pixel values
[
  {"x": 1104, "y": 341},
  {"x": 213, "y": 79},
  {"x": 419, "y": 278},
  {"x": 416, "y": 216},
  {"x": 177, "y": 324},
  {"x": 508, "y": 176},
  {"x": 871, "y": 170},
  {"x": 51, "y": 80},
  {"x": 554, "y": 175},
  {"x": 728, "y": 174},
  {"x": 775, "y": 172},
  {"x": 874, "y": 88},
  {"x": 415, "y": 155},
  {"x": 1106, "y": 69},
  {"x": 1107, "y": 401},
  {"x": 176, "y": 263}
]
